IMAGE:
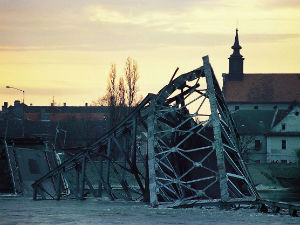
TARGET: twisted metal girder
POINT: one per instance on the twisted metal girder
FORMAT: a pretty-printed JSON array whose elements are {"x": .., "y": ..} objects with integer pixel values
[
  {"x": 192, "y": 153},
  {"x": 109, "y": 165}
]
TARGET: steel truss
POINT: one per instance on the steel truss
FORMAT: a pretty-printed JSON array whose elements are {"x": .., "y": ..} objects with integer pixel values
[
  {"x": 108, "y": 167},
  {"x": 192, "y": 154}
]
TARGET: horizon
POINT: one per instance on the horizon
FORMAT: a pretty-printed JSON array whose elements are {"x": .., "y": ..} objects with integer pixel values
[{"x": 53, "y": 48}]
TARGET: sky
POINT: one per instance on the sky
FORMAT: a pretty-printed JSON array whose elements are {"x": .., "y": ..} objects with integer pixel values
[{"x": 65, "y": 48}]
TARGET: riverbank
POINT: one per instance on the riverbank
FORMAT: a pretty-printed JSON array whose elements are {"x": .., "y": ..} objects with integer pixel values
[
  {"x": 268, "y": 180},
  {"x": 94, "y": 211},
  {"x": 273, "y": 175}
]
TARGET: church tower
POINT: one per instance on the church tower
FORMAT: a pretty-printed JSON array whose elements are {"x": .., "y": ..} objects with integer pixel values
[{"x": 236, "y": 61}]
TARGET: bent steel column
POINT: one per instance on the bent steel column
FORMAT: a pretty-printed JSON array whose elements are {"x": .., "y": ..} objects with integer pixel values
[
  {"x": 215, "y": 120},
  {"x": 151, "y": 121}
]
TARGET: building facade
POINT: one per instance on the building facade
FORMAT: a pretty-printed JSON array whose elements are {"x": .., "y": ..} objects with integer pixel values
[
  {"x": 283, "y": 140},
  {"x": 66, "y": 126}
]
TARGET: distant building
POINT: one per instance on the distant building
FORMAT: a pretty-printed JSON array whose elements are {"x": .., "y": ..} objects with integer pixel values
[
  {"x": 62, "y": 113},
  {"x": 258, "y": 102},
  {"x": 67, "y": 126},
  {"x": 283, "y": 139},
  {"x": 269, "y": 136}
]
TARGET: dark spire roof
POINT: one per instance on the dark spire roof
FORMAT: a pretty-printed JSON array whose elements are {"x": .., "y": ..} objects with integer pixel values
[
  {"x": 236, "y": 67},
  {"x": 236, "y": 46}
]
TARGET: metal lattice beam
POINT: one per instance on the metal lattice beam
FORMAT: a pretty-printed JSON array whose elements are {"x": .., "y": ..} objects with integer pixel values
[{"x": 191, "y": 154}]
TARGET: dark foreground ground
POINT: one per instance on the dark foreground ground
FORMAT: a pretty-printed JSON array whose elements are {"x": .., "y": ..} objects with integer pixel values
[{"x": 93, "y": 211}]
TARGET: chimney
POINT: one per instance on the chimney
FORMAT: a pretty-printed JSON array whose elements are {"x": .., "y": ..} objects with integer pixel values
[
  {"x": 5, "y": 106},
  {"x": 17, "y": 102},
  {"x": 86, "y": 104},
  {"x": 65, "y": 104}
]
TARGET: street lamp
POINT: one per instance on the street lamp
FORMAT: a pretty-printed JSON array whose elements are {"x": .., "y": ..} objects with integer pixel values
[
  {"x": 18, "y": 90},
  {"x": 23, "y": 105}
]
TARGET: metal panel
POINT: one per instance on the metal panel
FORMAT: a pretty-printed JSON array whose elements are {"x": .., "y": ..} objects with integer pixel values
[{"x": 26, "y": 165}]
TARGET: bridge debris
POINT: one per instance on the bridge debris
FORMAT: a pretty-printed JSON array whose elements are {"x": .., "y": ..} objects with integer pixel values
[
  {"x": 21, "y": 165},
  {"x": 177, "y": 148}
]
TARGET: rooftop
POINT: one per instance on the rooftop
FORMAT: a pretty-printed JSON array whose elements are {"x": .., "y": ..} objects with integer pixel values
[
  {"x": 263, "y": 88},
  {"x": 258, "y": 122}
]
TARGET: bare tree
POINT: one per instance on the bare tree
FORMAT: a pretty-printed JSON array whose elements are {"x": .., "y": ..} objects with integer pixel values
[
  {"x": 131, "y": 78},
  {"x": 101, "y": 101},
  {"x": 121, "y": 99},
  {"x": 122, "y": 95},
  {"x": 110, "y": 98},
  {"x": 111, "y": 87},
  {"x": 245, "y": 142}
]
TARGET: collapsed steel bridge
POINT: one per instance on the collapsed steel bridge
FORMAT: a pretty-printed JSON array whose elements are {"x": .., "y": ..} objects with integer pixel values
[{"x": 176, "y": 148}]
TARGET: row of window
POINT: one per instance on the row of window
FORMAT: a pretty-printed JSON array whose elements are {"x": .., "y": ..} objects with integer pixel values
[
  {"x": 254, "y": 107},
  {"x": 257, "y": 144},
  {"x": 236, "y": 107}
]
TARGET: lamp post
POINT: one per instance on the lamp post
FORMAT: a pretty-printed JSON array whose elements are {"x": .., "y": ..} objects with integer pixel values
[
  {"x": 23, "y": 105},
  {"x": 18, "y": 90}
]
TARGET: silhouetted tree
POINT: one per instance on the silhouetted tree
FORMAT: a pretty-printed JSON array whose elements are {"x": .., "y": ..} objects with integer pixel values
[
  {"x": 121, "y": 99},
  {"x": 122, "y": 95},
  {"x": 111, "y": 95},
  {"x": 131, "y": 78}
]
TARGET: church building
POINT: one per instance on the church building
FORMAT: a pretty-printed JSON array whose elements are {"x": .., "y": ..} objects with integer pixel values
[{"x": 265, "y": 107}]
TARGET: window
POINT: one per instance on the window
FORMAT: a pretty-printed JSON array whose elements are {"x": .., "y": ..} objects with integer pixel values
[
  {"x": 255, "y": 107},
  {"x": 284, "y": 161},
  {"x": 257, "y": 144},
  {"x": 236, "y": 107},
  {"x": 283, "y": 144},
  {"x": 283, "y": 126}
]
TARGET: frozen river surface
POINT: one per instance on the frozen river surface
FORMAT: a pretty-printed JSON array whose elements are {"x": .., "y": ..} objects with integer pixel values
[{"x": 92, "y": 211}]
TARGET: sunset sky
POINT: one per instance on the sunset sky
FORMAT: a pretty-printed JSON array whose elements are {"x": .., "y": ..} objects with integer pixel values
[{"x": 65, "y": 48}]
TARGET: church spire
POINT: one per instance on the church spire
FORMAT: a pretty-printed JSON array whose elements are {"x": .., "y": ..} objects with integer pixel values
[
  {"x": 236, "y": 60},
  {"x": 236, "y": 46}
]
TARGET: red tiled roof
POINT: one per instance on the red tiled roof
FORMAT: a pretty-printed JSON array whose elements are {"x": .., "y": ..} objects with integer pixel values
[{"x": 263, "y": 88}]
